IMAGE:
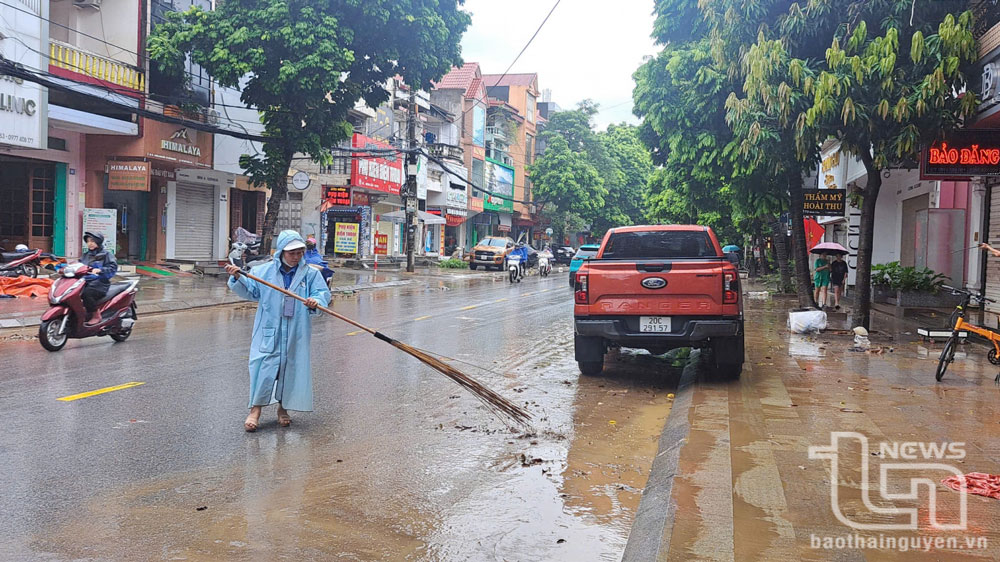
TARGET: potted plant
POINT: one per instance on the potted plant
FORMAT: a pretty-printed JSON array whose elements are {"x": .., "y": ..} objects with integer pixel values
[{"x": 910, "y": 287}]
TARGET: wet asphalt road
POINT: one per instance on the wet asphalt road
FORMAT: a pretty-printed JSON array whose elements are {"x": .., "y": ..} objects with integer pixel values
[{"x": 397, "y": 462}]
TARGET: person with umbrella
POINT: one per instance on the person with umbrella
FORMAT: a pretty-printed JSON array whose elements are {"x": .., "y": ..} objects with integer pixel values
[
  {"x": 824, "y": 268},
  {"x": 838, "y": 276}
]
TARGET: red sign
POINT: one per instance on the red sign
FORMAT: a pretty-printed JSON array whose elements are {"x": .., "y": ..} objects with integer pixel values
[
  {"x": 362, "y": 200},
  {"x": 962, "y": 155},
  {"x": 381, "y": 244},
  {"x": 378, "y": 173},
  {"x": 337, "y": 196},
  {"x": 503, "y": 228}
]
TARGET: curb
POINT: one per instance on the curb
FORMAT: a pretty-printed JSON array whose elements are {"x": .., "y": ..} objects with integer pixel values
[{"x": 649, "y": 538}]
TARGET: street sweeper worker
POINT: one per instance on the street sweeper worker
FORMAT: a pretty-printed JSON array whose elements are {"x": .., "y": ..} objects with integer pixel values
[{"x": 279, "y": 349}]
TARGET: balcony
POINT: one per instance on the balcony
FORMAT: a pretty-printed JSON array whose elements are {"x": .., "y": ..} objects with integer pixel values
[
  {"x": 496, "y": 133},
  {"x": 73, "y": 59},
  {"x": 441, "y": 150}
]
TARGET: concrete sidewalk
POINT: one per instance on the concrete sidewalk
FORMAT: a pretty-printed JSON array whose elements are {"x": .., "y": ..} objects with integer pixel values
[
  {"x": 182, "y": 293},
  {"x": 733, "y": 479}
]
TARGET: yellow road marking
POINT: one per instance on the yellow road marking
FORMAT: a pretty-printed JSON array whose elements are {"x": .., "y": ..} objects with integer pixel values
[
  {"x": 501, "y": 300},
  {"x": 470, "y": 307},
  {"x": 100, "y": 391},
  {"x": 421, "y": 318},
  {"x": 355, "y": 333},
  {"x": 527, "y": 294}
]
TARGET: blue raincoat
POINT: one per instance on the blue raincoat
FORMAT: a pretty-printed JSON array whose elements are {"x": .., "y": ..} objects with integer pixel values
[{"x": 279, "y": 349}]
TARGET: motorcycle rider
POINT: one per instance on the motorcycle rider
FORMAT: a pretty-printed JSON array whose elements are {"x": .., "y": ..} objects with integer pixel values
[
  {"x": 103, "y": 267},
  {"x": 522, "y": 252},
  {"x": 315, "y": 258}
]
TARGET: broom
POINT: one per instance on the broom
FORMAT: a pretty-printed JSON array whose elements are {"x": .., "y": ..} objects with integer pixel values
[{"x": 500, "y": 406}]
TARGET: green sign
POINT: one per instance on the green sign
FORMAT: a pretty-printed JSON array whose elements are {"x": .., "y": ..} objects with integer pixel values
[{"x": 499, "y": 181}]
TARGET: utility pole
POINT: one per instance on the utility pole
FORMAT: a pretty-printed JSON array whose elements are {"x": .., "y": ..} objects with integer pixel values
[{"x": 410, "y": 199}]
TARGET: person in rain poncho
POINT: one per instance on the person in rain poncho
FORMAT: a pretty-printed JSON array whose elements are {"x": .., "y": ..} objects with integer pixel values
[{"x": 279, "y": 349}]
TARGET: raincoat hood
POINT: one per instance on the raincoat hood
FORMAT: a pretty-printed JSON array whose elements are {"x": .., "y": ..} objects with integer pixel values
[{"x": 286, "y": 237}]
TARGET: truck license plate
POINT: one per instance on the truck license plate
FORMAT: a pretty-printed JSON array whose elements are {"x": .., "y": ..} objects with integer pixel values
[{"x": 655, "y": 324}]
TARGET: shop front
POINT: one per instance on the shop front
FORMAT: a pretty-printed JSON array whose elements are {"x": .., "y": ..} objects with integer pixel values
[
  {"x": 378, "y": 182},
  {"x": 169, "y": 203},
  {"x": 247, "y": 206}
]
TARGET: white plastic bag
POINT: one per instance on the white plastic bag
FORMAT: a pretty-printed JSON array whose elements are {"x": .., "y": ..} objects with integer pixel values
[{"x": 807, "y": 321}]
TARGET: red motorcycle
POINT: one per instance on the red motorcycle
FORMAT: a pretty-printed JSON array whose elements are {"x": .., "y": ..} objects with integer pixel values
[
  {"x": 67, "y": 318},
  {"x": 22, "y": 262}
]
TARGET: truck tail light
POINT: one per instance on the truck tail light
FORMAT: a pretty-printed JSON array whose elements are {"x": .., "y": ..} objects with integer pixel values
[
  {"x": 581, "y": 288},
  {"x": 730, "y": 288}
]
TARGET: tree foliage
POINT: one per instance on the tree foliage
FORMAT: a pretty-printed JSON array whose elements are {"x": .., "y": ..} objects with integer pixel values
[
  {"x": 617, "y": 157},
  {"x": 305, "y": 64}
]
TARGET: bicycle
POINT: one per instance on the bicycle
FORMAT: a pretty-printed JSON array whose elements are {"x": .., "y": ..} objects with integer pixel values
[{"x": 959, "y": 325}]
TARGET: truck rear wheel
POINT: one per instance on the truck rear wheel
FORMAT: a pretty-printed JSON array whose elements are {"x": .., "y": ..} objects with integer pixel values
[
  {"x": 473, "y": 266},
  {"x": 729, "y": 354},
  {"x": 589, "y": 354}
]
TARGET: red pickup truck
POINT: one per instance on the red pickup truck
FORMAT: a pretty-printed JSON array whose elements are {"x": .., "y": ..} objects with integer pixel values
[{"x": 659, "y": 288}]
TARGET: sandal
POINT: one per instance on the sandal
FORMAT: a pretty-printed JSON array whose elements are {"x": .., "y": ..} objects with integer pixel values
[
  {"x": 251, "y": 424},
  {"x": 284, "y": 420}
]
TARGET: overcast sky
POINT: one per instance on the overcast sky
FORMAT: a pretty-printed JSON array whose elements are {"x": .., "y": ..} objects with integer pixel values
[{"x": 587, "y": 49}]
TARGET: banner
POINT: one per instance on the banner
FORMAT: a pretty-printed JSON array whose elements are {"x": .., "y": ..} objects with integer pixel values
[
  {"x": 105, "y": 223},
  {"x": 337, "y": 196},
  {"x": 381, "y": 244},
  {"x": 345, "y": 238}
]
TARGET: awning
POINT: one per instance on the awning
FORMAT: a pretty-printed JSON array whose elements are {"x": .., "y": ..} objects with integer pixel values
[{"x": 400, "y": 216}]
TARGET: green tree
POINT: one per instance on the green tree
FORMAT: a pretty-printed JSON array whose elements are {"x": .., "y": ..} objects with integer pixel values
[
  {"x": 568, "y": 184},
  {"x": 626, "y": 151},
  {"x": 306, "y": 64},
  {"x": 887, "y": 94}
]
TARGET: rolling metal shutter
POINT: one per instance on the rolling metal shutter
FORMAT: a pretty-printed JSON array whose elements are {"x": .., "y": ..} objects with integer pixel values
[
  {"x": 195, "y": 223},
  {"x": 992, "y": 263}
]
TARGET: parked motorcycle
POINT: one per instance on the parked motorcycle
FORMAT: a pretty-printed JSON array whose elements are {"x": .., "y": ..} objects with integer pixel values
[
  {"x": 240, "y": 257},
  {"x": 20, "y": 262},
  {"x": 544, "y": 263},
  {"x": 67, "y": 316},
  {"x": 515, "y": 270}
]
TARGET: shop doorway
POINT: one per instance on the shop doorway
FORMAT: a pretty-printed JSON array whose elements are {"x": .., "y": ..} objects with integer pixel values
[
  {"x": 132, "y": 222},
  {"x": 27, "y": 203},
  {"x": 908, "y": 240}
]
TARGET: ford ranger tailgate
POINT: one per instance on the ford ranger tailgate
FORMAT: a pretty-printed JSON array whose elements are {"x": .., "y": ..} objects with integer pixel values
[{"x": 686, "y": 287}]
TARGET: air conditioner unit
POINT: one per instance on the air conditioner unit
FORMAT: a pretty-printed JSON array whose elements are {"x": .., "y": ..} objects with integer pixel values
[
  {"x": 212, "y": 116},
  {"x": 95, "y": 4}
]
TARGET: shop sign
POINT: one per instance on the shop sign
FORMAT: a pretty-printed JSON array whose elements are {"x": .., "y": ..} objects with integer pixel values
[
  {"x": 22, "y": 120},
  {"x": 105, "y": 223},
  {"x": 503, "y": 228},
  {"x": 824, "y": 202},
  {"x": 479, "y": 153},
  {"x": 476, "y": 204},
  {"x": 345, "y": 238},
  {"x": 337, "y": 195},
  {"x": 180, "y": 141},
  {"x": 381, "y": 244},
  {"x": 362, "y": 199},
  {"x": 378, "y": 173},
  {"x": 128, "y": 176},
  {"x": 499, "y": 182},
  {"x": 963, "y": 155}
]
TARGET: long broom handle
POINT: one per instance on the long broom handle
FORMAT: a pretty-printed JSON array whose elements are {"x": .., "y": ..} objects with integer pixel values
[{"x": 298, "y": 298}]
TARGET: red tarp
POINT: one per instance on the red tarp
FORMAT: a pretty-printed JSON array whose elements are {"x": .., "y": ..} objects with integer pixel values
[
  {"x": 978, "y": 483},
  {"x": 25, "y": 286}
]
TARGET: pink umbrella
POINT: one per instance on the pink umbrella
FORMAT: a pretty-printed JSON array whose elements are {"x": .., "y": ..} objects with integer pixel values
[{"x": 828, "y": 248}]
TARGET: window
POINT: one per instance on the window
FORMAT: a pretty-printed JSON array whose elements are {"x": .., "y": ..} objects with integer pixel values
[
  {"x": 659, "y": 244},
  {"x": 530, "y": 105},
  {"x": 42, "y": 200},
  {"x": 478, "y": 176},
  {"x": 529, "y": 149}
]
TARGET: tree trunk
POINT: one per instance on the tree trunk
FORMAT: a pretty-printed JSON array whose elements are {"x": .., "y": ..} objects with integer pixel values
[
  {"x": 803, "y": 284},
  {"x": 863, "y": 286},
  {"x": 278, "y": 184},
  {"x": 781, "y": 249}
]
